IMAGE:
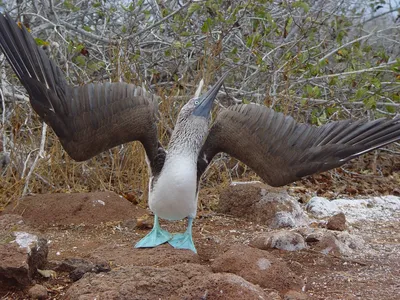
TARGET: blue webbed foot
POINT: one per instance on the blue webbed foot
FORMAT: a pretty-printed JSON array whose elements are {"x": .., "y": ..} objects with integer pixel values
[
  {"x": 184, "y": 240},
  {"x": 155, "y": 237}
]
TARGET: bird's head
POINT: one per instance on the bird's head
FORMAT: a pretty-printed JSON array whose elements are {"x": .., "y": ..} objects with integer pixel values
[
  {"x": 194, "y": 117},
  {"x": 200, "y": 106}
]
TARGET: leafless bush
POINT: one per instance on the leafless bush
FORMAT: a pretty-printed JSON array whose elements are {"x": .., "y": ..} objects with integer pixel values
[{"x": 317, "y": 60}]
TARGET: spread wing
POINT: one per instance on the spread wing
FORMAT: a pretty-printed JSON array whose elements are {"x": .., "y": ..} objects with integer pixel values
[
  {"x": 87, "y": 119},
  {"x": 281, "y": 151}
]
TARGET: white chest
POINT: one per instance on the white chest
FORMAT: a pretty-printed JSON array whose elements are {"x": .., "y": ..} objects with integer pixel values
[{"x": 174, "y": 196}]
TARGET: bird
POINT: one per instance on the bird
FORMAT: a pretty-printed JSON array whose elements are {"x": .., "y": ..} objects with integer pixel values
[{"x": 93, "y": 118}]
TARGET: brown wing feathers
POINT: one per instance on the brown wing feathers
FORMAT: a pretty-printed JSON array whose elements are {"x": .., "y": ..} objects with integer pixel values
[
  {"x": 88, "y": 119},
  {"x": 97, "y": 123},
  {"x": 281, "y": 151}
]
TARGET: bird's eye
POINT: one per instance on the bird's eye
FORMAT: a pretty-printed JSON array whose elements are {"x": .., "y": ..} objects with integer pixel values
[{"x": 197, "y": 102}]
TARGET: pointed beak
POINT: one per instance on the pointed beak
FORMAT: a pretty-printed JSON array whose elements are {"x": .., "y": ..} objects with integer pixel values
[{"x": 206, "y": 100}]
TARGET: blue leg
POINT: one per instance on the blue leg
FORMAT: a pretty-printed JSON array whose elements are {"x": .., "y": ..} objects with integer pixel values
[
  {"x": 184, "y": 240},
  {"x": 155, "y": 237}
]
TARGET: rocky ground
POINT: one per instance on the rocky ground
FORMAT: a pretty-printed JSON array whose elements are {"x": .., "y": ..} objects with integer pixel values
[{"x": 261, "y": 244}]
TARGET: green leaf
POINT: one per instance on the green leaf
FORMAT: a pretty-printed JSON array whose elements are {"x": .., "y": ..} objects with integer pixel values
[
  {"x": 253, "y": 40},
  {"x": 177, "y": 45},
  {"x": 193, "y": 8},
  {"x": 302, "y": 5},
  {"x": 40, "y": 42},
  {"x": 316, "y": 91},
  {"x": 370, "y": 102},
  {"x": 376, "y": 82},
  {"x": 391, "y": 109},
  {"x": 95, "y": 66},
  {"x": 206, "y": 25},
  {"x": 331, "y": 110},
  {"x": 80, "y": 61},
  {"x": 360, "y": 93},
  {"x": 79, "y": 47},
  {"x": 289, "y": 24},
  {"x": 147, "y": 14},
  {"x": 333, "y": 81},
  {"x": 309, "y": 90},
  {"x": 314, "y": 70},
  {"x": 87, "y": 28},
  {"x": 269, "y": 45},
  {"x": 70, "y": 6},
  {"x": 130, "y": 8},
  {"x": 340, "y": 36},
  {"x": 164, "y": 12}
]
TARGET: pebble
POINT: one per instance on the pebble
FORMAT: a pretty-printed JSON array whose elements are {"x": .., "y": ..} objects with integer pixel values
[
  {"x": 337, "y": 222},
  {"x": 38, "y": 292}
]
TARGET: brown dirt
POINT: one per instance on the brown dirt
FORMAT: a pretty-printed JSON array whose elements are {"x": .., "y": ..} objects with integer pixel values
[
  {"x": 92, "y": 232},
  {"x": 74, "y": 209}
]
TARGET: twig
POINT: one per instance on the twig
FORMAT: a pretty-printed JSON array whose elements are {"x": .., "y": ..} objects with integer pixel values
[
  {"x": 156, "y": 23},
  {"x": 357, "y": 103},
  {"x": 40, "y": 154},
  {"x": 89, "y": 34},
  {"x": 345, "y": 45},
  {"x": 3, "y": 102},
  {"x": 19, "y": 97},
  {"x": 373, "y": 69}
]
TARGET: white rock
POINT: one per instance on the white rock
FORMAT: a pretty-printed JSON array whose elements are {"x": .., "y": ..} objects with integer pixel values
[
  {"x": 25, "y": 239},
  {"x": 321, "y": 207},
  {"x": 350, "y": 242},
  {"x": 284, "y": 240},
  {"x": 284, "y": 219},
  {"x": 372, "y": 209},
  {"x": 96, "y": 202}
]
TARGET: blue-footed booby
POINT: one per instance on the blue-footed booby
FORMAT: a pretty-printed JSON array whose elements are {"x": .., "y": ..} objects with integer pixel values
[{"x": 92, "y": 118}]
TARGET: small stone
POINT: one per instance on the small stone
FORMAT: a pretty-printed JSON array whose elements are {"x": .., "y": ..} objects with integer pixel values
[
  {"x": 283, "y": 240},
  {"x": 283, "y": 219},
  {"x": 350, "y": 243},
  {"x": 321, "y": 207},
  {"x": 37, "y": 258},
  {"x": 258, "y": 267},
  {"x": 272, "y": 294},
  {"x": 22, "y": 253},
  {"x": 313, "y": 238},
  {"x": 129, "y": 224},
  {"x": 294, "y": 295},
  {"x": 261, "y": 204},
  {"x": 337, "y": 222},
  {"x": 143, "y": 223},
  {"x": 333, "y": 242},
  {"x": 38, "y": 292},
  {"x": 78, "y": 267},
  {"x": 327, "y": 244}
]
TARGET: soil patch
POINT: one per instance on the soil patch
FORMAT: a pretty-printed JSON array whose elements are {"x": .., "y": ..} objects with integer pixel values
[{"x": 43, "y": 211}]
